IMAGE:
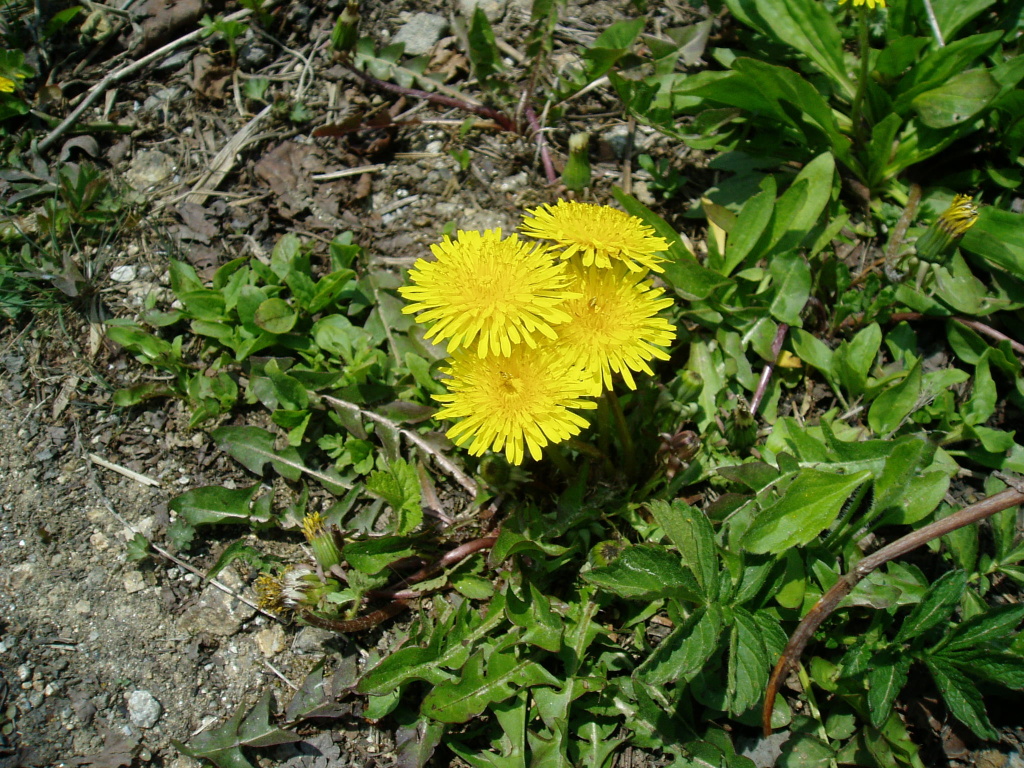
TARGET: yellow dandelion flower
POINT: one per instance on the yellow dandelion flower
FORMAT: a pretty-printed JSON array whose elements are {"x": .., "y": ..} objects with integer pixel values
[
  {"x": 869, "y": 3},
  {"x": 6, "y": 85},
  {"x": 483, "y": 289},
  {"x": 614, "y": 326},
  {"x": 506, "y": 402},
  {"x": 599, "y": 234}
]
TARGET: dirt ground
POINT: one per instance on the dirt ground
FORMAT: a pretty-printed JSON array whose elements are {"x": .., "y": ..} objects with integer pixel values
[{"x": 104, "y": 661}]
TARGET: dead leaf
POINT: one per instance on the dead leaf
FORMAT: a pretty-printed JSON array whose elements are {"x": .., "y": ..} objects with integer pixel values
[
  {"x": 118, "y": 751},
  {"x": 164, "y": 20},
  {"x": 210, "y": 79}
]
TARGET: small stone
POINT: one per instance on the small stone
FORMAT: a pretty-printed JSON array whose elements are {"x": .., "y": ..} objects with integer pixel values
[
  {"x": 83, "y": 607},
  {"x": 134, "y": 582},
  {"x": 420, "y": 33},
  {"x": 35, "y": 699},
  {"x": 123, "y": 274},
  {"x": 270, "y": 641},
  {"x": 311, "y": 640},
  {"x": 217, "y": 612},
  {"x": 143, "y": 709},
  {"x": 24, "y": 672},
  {"x": 99, "y": 541},
  {"x": 493, "y": 9},
  {"x": 149, "y": 167}
]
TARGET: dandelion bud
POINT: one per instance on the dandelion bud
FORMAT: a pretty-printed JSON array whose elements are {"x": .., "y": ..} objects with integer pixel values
[
  {"x": 605, "y": 552},
  {"x": 742, "y": 429},
  {"x": 346, "y": 31},
  {"x": 321, "y": 541},
  {"x": 948, "y": 228},
  {"x": 576, "y": 175},
  {"x": 690, "y": 385}
]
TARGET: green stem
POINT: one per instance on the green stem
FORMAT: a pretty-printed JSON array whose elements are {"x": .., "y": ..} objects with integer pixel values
[
  {"x": 557, "y": 457},
  {"x": 862, "y": 78},
  {"x": 625, "y": 438}
]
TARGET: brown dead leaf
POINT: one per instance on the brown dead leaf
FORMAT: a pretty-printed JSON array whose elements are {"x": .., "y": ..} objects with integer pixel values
[
  {"x": 164, "y": 20},
  {"x": 210, "y": 79},
  {"x": 197, "y": 226}
]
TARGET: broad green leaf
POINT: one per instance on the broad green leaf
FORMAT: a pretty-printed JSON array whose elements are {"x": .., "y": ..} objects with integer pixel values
[
  {"x": 962, "y": 697},
  {"x": 275, "y": 316},
  {"x": 812, "y": 351},
  {"x": 214, "y": 504},
  {"x": 854, "y": 359},
  {"x": 803, "y": 750},
  {"x": 483, "y": 683},
  {"x": 791, "y": 279},
  {"x": 800, "y": 207},
  {"x": 957, "y": 100},
  {"x": 541, "y": 626},
  {"x": 222, "y": 745},
  {"x": 688, "y": 528},
  {"x": 936, "y": 607},
  {"x": 809, "y": 505},
  {"x": 750, "y": 225},
  {"x": 254, "y": 448},
  {"x": 284, "y": 255},
  {"x": 374, "y": 555},
  {"x": 995, "y": 236},
  {"x": 647, "y": 572},
  {"x": 681, "y": 655}
]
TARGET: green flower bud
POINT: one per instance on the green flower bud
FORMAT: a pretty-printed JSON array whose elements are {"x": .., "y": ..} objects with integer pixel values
[
  {"x": 346, "y": 31},
  {"x": 321, "y": 541},
  {"x": 690, "y": 385},
  {"x": 947, "y": 230},
  {"x": 576, "y": 175}
]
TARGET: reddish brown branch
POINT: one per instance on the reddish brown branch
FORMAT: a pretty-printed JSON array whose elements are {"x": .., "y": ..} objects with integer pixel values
[
  {"x": 503, "y": 120},
  {"x": 975, "y": 325},
  {"x": 399, "y": 595},
  {"x": 766, "y": 374},
  {"x": 831, "y": 599}
]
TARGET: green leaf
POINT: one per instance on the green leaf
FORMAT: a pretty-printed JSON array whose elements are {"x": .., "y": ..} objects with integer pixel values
[
  {"x": 647, "y": 572},
  {"x": 800, "y": 207},
  {"x": 399, "y": 486},
  {"x": 275, "y": 316},
  {"x": 958, "y": 100},
  {"x": 681, "y": 655},
  {"x": 748, "y": 663},
  {"x": 996, "y": 624},
  {"x": 936, "y": 607},
  {"x": 284, "y": 255},
  {"x": 483, "y": 683},
  {"x": 750, "y": 224},
  {"x": 542, "y": 627},
  {"x": 483, "y": 50},
  {"x": 253, "y": 448},
  {"x": 962, "y": 697},
  {"x": 688, "y": 528},
  {"x": 791, "y": 277},
  {"x": 894, "y": 405},
  {"x": 374, "y": 555},
  {"x": 214, "y": 504},
  {"x": 809, "y": 505},
  {"x": 137, "y": 548},
  {"x": 886, "y": 679},
  {"x": 995, "y": 236},
  {"x": 222, "y": 745},
  {"x": 687, "y": 277},
  {"x": 854, "y": 359}
]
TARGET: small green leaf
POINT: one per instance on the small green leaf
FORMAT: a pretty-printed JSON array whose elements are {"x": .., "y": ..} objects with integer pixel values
[
  {"x": 886, "y": 679},
  {"x": 275, "y": 316},
  {"x": 483, "y": 683},
  {"x": 399, "y": 486},
  {"x": 374, "y": 555},
  {"x": 935, "y": 607},
  {"x": 891, "y": 408},
  {"x": 792, "y": 281},
  {"x": 138, "y": 548},
  {"x": 809, "y": 505},
  {"x": 689, "y": 529},
  {"x": 681, "y": 655},
  {"x": 962, "y": 697}
]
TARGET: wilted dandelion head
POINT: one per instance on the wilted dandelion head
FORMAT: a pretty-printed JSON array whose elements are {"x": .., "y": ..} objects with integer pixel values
[
  {"x": 614, "y": 326},
  {"x": 600, "y": 235},
  {"x": 506, "y": 403},
  {"x": 487, "y": 291}
]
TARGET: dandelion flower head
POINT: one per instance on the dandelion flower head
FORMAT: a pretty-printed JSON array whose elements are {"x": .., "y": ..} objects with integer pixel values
[
  {"x": 513, "y": 404},
  {"x": 6, "y": 85},
  {"x": 869, "y": 3},
  {"x": 599, "y": 234},
  {"x": 614, "y": 326},
  {"x": 486, "y": 290}
]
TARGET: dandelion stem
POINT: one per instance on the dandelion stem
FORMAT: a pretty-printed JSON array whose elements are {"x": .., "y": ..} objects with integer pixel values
[{"x": 625, "y": 438}]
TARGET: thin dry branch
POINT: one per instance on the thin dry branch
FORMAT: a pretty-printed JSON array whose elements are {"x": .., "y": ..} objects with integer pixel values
[{"x": 1011, "y": 497}]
